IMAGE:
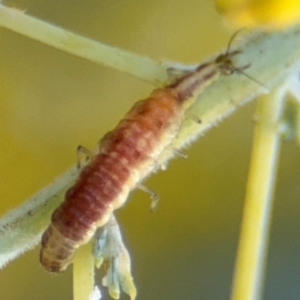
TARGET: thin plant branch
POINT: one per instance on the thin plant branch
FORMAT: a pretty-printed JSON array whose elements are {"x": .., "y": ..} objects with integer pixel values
[
  {"x": 99, "y": 53},
  {"x": 254, "y": 237}
]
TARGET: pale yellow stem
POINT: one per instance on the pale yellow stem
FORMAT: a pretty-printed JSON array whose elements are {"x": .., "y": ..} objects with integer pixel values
[
  {"x": 83, "y": 273},
  {"x": 251, "y": 258},
  {"x": 134, "y": 64}
]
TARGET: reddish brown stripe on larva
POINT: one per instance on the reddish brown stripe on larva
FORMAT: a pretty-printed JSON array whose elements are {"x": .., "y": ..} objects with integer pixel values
[
  {"x": 126, "y": 157},
  {"x": 196, "y": 81}
]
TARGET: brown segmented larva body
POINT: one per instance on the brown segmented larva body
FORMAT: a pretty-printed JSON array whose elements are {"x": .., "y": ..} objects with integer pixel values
[{"x": 126, "y": 156}]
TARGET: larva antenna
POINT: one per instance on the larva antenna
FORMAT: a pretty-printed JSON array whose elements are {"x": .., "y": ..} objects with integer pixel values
[
  {"x": 240, "y": 71},
  {"x": 226, "y": 65},
  {"x": 227, "y": 53},
  {"x": 224, "y": 61}
]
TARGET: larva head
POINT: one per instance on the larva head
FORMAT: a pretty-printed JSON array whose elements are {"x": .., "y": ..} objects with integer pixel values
[
  {"x": 224, "y": 61},
  {"x": 226, "y": 65}
]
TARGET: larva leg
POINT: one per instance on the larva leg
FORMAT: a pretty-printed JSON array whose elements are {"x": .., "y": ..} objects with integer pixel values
[
  {"x": 153, "y": 195},
  {"x": 110, "y": 250},
  {"x": 87, "y": 156},
  {"x": 179, "y": 153},
  {"x": 194, "y": 118}
]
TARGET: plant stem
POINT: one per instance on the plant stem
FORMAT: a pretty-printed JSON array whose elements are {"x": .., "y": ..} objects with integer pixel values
[
  {"x": 134, "y": 64},
  {"x": 83, "y": 272},
  {"x": 252, "y": 250}
]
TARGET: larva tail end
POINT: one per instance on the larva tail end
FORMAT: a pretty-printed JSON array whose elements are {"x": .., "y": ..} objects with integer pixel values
[
  {"x": 56, "y": 252},
  {"x": 51, "y": 265}
]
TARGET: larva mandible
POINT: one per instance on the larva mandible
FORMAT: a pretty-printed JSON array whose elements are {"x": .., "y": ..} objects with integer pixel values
[{"x": 126, "y": 155}]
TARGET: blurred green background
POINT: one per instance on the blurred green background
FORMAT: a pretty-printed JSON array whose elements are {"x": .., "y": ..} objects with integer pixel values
[{"x": 51, "y": 102}]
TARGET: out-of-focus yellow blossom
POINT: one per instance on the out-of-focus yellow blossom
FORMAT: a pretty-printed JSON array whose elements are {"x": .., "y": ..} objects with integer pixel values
[{"x": 269, "y": 13}]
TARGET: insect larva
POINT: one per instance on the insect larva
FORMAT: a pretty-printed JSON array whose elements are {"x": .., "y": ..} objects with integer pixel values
[{"x": 125, "y": 157}]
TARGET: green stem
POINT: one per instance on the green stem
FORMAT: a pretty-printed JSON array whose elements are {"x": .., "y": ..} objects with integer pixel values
[
  {"x": 134, "y": 64},
  {"x": 252, "y": 250}
]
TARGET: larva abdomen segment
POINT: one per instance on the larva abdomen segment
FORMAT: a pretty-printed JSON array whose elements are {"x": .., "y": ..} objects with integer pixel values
[{"x": 126, "y": 156}]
